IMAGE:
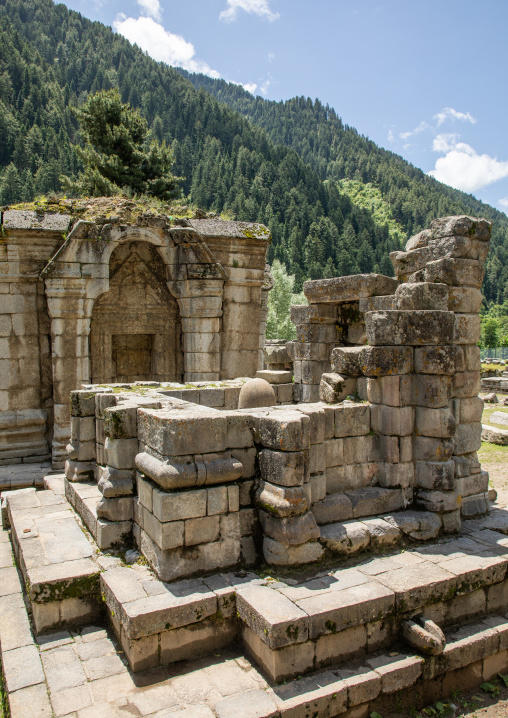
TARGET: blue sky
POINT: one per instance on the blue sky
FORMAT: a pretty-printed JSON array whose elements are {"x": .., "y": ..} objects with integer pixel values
[{"x": 424, "y": 79}]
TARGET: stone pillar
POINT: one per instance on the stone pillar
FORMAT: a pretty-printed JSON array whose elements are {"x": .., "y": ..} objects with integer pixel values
[
  {"x": 263, "y": 313},
  {"x": 316, "y": 335},
  {"x": 200, "y": 303},
  {"x": 70, "y": 329},
  {"x": 284, "y": 494},
  {"x": 438, "y": 313},
  {"x": 28, "y": 239}
]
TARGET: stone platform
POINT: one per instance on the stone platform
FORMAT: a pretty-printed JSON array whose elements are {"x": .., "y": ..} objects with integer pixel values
[
  {"x": 84, "y": 673},
  {"x": 288, "y": 627}
]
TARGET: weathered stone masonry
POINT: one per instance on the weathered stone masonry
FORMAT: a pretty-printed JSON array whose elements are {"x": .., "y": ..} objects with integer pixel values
[{"x": 109, "y": 302}]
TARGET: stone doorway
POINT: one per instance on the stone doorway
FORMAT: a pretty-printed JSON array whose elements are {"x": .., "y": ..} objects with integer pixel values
[{"x": 135, "y": 329}]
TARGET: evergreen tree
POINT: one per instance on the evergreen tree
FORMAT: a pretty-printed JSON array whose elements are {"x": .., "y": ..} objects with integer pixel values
[{"x": 118, "y": 153}]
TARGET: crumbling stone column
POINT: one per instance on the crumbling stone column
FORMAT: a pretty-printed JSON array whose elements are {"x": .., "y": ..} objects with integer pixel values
[
  {"x": 284, "y": 495},
  {"x": 70, "y": 328},
  {"x": 438, "y": 307}
]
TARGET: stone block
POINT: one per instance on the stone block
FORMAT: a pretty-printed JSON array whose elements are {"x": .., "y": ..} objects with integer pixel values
[
  {"x": 475, "y": 505},
  {"x": 176, "y": 506},
  {"x": 119, "y": 509},
  {"x": 307, "y": 351},
  {"x": 283, "y": 468},
  {"x": 240, "y": 429},
  {"x": 83, "y": 428},
  {"x": 83, "y": 403},
  {"x": 275, "y": 377},
  {"x": 356, "y": 333},
  {"x": 145, "y": 491},
  {"x": 337, "y": 610},
  {"x": 466, "y": 300},
  {"x": 431, "y": 390},
  {"x": 386, "y": 360},
  {"x": 467, "y": 329},
  {"x": 333, "y": 508},
  {"x": 346, "y": 289},
  {"x": 466, "y": 384},
  {"x": 201, "y": 530},
  {"x": 334, "y": 452},
  {"x": 115, "y": 482},
  {"x": 317, "y": 459},
  {"x": 462, "y": 226},
  {"x": 435, "y": 475},
  {"x": 422, "y": 295},
  {"x": 183, "y": 432},
  {"x": 345, "y": 538},
  {"x": 439, "y": 360},
  {"x": 282, "y": 501},
  {"x": 397, "y": 672},
  {"x": 285, "y": 431},
  {"x": 316, "y": 414},
  {"x": 475, "y": 484},
  {"x": 439, "y": 501},
  {"x": 317, "y": 484},
  {"x": 352, "y": 420},
  {"x": 335, "y": 387},
  {"x": 439, "y": 423},
  {"x": 324, "y": 333},
  {"x": 247, "y": 458},
  {"x": 388, "y": 449},
  {"x": 291, "y": 531},
  {"x": 346, "y": 360},
  {"x": 457, "y": 272},
  {"x": 167, "y": 535},
  {"x": 468, "y": 438},
  {"x": 409, "y": 327},
  {"x": 360, "y": 449},
  {"x": 373, "y": 500},
  {"x": 337, "y": 647},
  {"x": 468, "y": 411},
  {"x": 279, "y": 664},
  {"x": 390, "y": 390},
  {"x": 391, "y": 420},
  {"x": 279, "y": 554},
  {"x": 121, "y": 453},
  {"x": 431, "y": 449},
  {"x": 217, "y": 500},
  {"x": 313, "y": 314},
  {"x": 395, "y": 475},
  {"x": 121, "y": 422},
  {"x": 307, "y": 393}
]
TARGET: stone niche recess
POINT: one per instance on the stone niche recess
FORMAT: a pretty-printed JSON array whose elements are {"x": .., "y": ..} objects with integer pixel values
[{"x": 105, "y": 302}]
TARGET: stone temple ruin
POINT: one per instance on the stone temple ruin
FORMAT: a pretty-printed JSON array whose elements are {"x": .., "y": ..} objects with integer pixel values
[{"x": 348, "y": 465}]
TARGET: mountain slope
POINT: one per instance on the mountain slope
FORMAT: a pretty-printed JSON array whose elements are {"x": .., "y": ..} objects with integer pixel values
[
  {"x": 278, "y": 163},
  {"x": 337, "y": 152}
]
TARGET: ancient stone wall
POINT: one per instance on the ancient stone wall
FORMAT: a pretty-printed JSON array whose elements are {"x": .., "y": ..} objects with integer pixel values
[{"x": 107, "y": 301}]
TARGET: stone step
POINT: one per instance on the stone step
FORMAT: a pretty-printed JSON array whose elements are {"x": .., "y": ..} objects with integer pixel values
[
  {"x": 292, "y": 630},
  {"x": 351, "y": 537},
  {"x": 369, "y": 501},
  {"x": 84, "y": 498},
  {"x": 56, "y": 560}
]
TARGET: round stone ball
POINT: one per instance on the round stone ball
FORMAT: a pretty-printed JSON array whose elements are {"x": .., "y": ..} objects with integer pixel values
[{"x": 256, "y": 393}]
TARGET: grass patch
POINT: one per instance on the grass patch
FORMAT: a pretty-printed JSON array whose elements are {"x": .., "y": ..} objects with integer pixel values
[{"x": 493, "y": 454}]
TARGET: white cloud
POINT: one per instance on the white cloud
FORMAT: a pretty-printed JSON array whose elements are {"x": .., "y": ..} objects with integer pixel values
[
  {"x": 265, "y": 86},
  {"x": 445, "y": 142},
  {"x": 390, "y": 136},
  {"x": 160, "y": 44},
  {"x": 463, "y": 168},
  {"x": 504, "y": 202},
  {"x": 448, "y": 113},
  {"x": 253, "y": 7},
  {"x": 421, "y": 127},
  {"x": 250, "y": 87},
  {"x": 151, "y": 8},
  {"x": 271, "y": 56}
]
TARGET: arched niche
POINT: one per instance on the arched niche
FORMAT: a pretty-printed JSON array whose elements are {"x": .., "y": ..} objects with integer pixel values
[{"x": 135, "y": 327}]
